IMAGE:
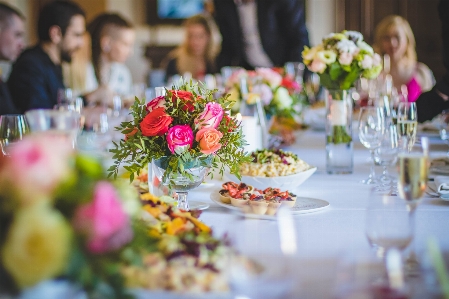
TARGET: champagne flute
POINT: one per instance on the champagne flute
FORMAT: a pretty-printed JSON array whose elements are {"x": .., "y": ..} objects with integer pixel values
[
  {"x": 407, "y": 122},
  {"x": 12, "y": 129},
  {"x": 413, "y": 174},
  {"x": 371, "y": 129}
]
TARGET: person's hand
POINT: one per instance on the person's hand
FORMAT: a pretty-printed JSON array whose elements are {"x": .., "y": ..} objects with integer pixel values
[{"x": 102, "y": 95}]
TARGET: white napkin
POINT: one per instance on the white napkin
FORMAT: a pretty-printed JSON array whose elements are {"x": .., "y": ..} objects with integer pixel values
[{"x": 442, "y": 183}]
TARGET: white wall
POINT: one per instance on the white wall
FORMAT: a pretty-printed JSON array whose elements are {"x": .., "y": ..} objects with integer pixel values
[{"x": 320, "y": 19}]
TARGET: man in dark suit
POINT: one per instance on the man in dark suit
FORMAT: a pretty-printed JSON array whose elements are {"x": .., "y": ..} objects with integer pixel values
[
  {"x": 433, "y": 102},
  {"x": 36, "y": 76},
  {"x": 260, "y": 33},
  {"x": 12, "y": 30}
]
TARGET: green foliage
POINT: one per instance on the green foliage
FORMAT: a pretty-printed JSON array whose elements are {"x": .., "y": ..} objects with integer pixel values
[{"x": 138, "y": 150}]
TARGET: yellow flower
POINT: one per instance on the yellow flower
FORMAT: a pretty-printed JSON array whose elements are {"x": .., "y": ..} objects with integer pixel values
[
  {"x": 252, "y": 98},
  {"x": 37, "y": 245},
  {"x": 327, "y": 56}
]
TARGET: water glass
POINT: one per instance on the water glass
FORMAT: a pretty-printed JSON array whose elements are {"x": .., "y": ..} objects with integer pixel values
[
  {"x": 386, "y": 154},
  {"x": 12, "y": 129},
  {"x": 60, "y": 123},
  {"x": 371, "y": 130}
]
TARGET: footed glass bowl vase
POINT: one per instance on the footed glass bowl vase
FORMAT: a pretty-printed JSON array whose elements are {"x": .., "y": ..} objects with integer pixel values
[{"x": 182, "y": 184}]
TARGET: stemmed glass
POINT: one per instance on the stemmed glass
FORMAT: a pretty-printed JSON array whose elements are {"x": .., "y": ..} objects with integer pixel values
[
  {"x": 312, "y": 86},
  {"x": 413, "y": 172},
  {"x": 386, "y": 154},
  {"x": 388, "y": 224},
  {"x": 371, "y": 130},
  {"x": 12, "y": 129},
  {"x": 407, "y": 122},
  {"x": 182, "y": 184}
]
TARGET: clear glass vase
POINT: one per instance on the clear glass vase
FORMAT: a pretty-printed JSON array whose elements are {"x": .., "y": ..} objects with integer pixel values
[
  {"x": 181, "y": 184},
  {"x": 339, "y": 145}
]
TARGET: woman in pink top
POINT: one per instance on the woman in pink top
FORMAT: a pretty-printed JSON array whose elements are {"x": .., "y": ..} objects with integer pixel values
[{"x": 394, "y": 37}]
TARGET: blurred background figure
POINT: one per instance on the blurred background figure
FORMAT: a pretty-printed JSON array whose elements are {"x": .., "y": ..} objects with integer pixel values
[
  {"x": 394, "y": 37},
  {"x": 12, "y": 30},
  {"x": 195, "y": 54},
  {"x": 112, "y": 39},
  {"x": 36, "y": 76},
  {"x": 260, "y": 33}
]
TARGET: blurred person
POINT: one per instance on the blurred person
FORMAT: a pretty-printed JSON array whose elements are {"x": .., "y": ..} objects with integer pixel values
[
  {"x": 12, "y": 31},
  {"x": 195, "y": 55},
  {"x": 433, "y": 102},
  {"x": 36, "y": 76},
  {"x": 260, "y": 33},
  {"x": 394, "y": 36},
  {"x": 112, "y": 40}
]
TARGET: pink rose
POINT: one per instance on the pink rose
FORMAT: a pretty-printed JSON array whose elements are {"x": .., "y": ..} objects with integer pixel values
[
  {"x": 36, "y": 166},
  {"x": 209, "y": 139},
  {"x": 377, "y": 60},
  {"x": 156, "y": 103},
  {"x": 317, "y": 66},
  {"x": 345, "y": 58},
  {"x": 179, "y": 138},
  {"x": 266, "y": 95},
  {"x": 273, "y": 78},
  {"x": 211, "y": 116},
  {"x": 103, "y": 220}
]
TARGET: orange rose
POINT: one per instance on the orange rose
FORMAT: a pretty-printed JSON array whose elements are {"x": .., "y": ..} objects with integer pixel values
[{"x": 209, "y": 139}]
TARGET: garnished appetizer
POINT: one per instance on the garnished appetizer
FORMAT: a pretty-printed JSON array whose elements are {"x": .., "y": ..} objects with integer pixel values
[{"x": 236, "y": 191}]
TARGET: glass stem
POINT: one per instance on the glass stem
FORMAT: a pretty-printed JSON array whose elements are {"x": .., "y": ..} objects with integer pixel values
[
  {"x": 372, "y": 174},
  {"x": 412, "y": 260},
  {"x": 183, "y": 204}
]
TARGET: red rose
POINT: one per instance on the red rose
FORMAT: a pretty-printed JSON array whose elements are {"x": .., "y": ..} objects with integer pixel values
[
  {"x": 186, "y": 98},
  {"x": 155, "y": 123}
]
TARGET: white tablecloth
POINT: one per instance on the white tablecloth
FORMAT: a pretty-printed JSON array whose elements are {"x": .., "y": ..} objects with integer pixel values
[{"x": 336, "y": 232}]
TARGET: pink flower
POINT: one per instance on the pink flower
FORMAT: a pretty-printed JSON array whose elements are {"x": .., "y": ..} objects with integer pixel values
[
  {"x": 209, "y": 139},
  {"x": 345, "y": 58},
  {"x": 317, "y": 66},
  {"x": 156, "y": 103},
  {"x": 179, "y": 138},
  {"x": 36, "y": 166},
  {"x": 377, "y": 60},
  {"x": 211, "y": 116},
  {"x": 266, "y": 95},
  {"x": 103, "y": 221},
  {"x": 273, "y": 78}
]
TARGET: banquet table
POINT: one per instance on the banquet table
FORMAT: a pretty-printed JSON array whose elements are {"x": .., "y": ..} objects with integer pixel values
[{"x": 327, "y": 238}]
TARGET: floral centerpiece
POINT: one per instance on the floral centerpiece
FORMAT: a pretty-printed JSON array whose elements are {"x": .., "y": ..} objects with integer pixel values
[
  {"x": 61, "y": 220},
  {"x": 61, "y": 217},
  {"x": 340, "y": 60},
  {"x": 181, "y": 131},
  {"x": 278, "y": 92}
]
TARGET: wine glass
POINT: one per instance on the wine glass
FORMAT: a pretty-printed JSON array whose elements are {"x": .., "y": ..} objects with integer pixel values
[
  {"x": 371, "y": 130},
  {"x": 386, "y": 154},
  {"x": 181, "y": 183},
  {"x": 312, "y": 86},
  {"x": 388, "y": 224},
  {"x": 12, "y": 129},
  {"x": 407, "y": 122},
  {"x": 412, "y": 183}
]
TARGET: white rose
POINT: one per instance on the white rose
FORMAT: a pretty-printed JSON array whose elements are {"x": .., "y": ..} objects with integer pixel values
[
  {"x": 346, "y": 45},
  {"x": 377, "y": 60},
  {"x": 345, "y": 58},
  {"x": 367, "y": 62},
  {"x": 282, "y": 98}
]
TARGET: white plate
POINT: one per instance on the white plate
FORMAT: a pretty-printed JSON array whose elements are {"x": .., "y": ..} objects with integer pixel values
[
  {"x": 303, "y": 205},
  {"x": 289, "y": 182}
]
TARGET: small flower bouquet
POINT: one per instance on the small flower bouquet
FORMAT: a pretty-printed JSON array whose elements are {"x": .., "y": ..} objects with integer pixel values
[
  {"x": 279, "y": 94},
  {"x": 341, "y": 59},
  {"x": 61, "y": 218},
  {"x": 185, "y": 128}
]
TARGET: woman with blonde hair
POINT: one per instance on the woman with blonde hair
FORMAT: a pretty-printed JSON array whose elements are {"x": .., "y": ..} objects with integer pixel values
[
  {"x": 195, "y": 55},
  {"x": 394, "y": 37}
]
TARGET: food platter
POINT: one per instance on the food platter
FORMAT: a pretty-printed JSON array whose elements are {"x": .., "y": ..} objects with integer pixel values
[{"x": 303, "y": 205}]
